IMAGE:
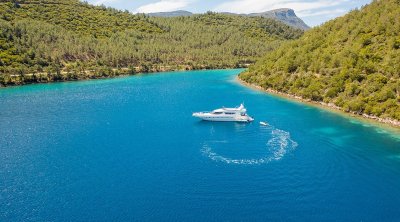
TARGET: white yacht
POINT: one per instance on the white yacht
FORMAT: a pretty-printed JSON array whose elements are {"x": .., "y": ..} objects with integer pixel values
[{"x": 238, "y": 114}]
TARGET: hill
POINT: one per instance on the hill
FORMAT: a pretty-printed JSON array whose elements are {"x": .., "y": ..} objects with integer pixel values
[
  {"x": 56, "y": 40},
  {"x": 285, "y": 15},
  {"x": 352, "y": 62}
]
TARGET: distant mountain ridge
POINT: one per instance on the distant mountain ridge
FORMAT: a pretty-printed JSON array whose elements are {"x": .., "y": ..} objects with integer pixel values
[
  {"x": 285, "y": 15},
  {"x": 171, "y": 14}
]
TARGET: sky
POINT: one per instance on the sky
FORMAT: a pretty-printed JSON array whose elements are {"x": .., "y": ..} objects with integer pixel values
[{"x": 313, "y": 12}]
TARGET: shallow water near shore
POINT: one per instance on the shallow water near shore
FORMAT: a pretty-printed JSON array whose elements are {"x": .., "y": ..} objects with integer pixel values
[{"x": 128, "y": 149}]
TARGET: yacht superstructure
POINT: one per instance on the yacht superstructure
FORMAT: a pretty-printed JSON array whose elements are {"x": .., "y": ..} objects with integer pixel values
[{"x": 238, "y": 114}]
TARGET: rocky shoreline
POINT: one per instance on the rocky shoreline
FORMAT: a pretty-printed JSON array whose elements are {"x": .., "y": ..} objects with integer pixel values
[
  {"x": 388, "y": 121},
  {"x": 63, "y": 76}
]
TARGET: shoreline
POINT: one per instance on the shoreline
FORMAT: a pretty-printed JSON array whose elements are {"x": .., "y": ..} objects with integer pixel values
[
  {"x": 123, "y": 73},
  {"x": 328, "y": 106}
]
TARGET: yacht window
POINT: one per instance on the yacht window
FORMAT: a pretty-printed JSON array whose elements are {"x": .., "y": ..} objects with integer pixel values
[
  {"x": 217, "y": 113},
  {"x": 230, "y": 113}
]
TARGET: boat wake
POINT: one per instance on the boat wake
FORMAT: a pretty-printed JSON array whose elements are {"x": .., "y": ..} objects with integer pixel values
[{"x": 278, "y": 145}]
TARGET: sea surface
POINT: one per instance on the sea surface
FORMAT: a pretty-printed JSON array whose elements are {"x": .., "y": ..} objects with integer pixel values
[{"x": 128, "y": 149}]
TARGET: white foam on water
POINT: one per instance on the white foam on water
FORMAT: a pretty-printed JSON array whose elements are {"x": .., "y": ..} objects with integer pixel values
[{"x": 278, "y": 146}]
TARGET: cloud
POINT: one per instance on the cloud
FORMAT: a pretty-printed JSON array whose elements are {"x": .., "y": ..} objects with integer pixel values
[
  {"x": 300, "y": 6},
  {"x": 163, "y": 6}
]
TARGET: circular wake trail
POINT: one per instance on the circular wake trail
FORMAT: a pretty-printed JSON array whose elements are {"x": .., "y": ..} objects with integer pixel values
[{"x": 278, "y": 145}]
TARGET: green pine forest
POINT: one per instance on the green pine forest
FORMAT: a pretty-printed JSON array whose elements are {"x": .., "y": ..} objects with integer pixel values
[
  {"x": 58, "y": 40},
  {"x": 352, "y": 62}
]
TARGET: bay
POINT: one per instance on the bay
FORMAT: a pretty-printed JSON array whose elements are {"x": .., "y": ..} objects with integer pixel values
[{"x": 128, "y": 149}]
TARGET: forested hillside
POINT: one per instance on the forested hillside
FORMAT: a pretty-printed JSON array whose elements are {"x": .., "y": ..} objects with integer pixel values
[
  {"x": 52, "y": 40},
  {"x": 352, "y": 62}
]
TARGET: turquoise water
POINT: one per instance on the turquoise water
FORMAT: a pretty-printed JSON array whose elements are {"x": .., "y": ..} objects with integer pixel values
[{"x": 128, "y": 149}]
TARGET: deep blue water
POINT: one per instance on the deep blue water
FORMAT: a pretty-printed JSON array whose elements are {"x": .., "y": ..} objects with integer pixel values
[{"x": 128, "y": 149}]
